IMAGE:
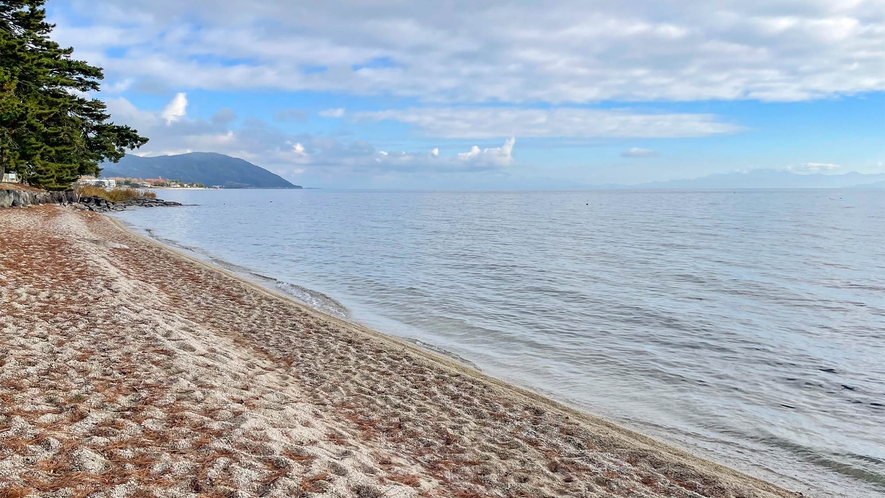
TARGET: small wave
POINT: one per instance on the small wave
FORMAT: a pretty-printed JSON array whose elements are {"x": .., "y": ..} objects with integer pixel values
[
  {"x": 314, "y": 299},
  {"x": 238, "y": 269},
  {"x": 175, "y": 244},
  {"x": 444, "y": 352},
  {"x": 864, "y": 468}
]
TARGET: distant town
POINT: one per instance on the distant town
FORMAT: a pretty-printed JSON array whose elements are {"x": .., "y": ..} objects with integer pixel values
[{"x": 160, "y": 182}]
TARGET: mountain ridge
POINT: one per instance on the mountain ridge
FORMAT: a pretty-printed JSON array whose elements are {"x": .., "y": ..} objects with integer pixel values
[
  {"x": 880, "y": 184},
  {"x": 208, "y": 168}
]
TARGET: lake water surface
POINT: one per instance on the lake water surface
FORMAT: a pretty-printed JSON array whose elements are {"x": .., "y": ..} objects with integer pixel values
[{"x": 745, "y": 326}]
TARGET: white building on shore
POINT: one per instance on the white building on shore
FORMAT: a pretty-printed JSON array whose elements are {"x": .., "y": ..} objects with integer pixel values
[{"x": 98, "y": 182}]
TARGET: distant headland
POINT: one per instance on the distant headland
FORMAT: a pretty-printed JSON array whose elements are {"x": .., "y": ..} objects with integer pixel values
[{"x": 197, "y": 168}]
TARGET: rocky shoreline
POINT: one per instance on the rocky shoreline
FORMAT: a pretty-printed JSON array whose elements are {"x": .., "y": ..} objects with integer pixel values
[
  {"x": 16, "y": 197},
  {"x": 97, "y": 204}
]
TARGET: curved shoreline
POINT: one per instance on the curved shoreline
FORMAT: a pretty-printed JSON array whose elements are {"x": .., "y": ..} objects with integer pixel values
[
  {"x": 433, "y": 356},
  {"x": 425, "y": 424},
  {"x": 275, "y": 286}
]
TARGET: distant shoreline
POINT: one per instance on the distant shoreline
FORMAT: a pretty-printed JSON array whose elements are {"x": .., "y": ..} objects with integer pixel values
[
  {"x": 227, "y": 188},
  {"x": 180, "y": 188}
]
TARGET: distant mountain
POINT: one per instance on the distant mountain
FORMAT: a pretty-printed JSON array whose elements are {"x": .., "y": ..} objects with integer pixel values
[
  {"x": 207, "y": 168},
  {"x": 767, "y": 178},
  {"x": 872, "y": 185}
]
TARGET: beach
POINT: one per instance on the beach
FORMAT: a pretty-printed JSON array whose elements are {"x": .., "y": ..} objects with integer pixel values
[{"x": 128, "y": 369}]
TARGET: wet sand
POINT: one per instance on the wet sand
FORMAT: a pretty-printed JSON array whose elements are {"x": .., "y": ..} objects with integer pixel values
[{"x": 128, "y": 369}]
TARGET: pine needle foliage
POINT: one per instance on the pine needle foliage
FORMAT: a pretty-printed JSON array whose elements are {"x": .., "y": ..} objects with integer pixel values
[{"x": 51, "y": 130}]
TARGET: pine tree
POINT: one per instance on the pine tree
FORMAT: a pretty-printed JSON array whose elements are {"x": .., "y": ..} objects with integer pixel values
[{"x": 51, "y": 132}]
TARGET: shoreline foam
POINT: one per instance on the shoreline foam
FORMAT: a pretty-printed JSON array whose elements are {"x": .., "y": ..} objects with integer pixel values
[{"x": 129, "y": 366}]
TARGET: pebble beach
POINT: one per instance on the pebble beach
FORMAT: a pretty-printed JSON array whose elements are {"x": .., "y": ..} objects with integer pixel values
[{"x": 128, "y": 369}]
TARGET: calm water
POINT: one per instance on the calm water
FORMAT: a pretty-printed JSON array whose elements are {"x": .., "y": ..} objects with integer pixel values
[{"x": 748, "y": 326}]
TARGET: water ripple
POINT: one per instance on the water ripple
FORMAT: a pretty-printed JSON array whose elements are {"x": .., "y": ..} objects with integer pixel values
[{"x": 745, "y": 326}]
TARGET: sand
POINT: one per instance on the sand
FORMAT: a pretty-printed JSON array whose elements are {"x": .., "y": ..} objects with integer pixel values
[{"x": 127, "y": 369}]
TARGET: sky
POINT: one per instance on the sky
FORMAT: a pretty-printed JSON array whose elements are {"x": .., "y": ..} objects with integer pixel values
[{"x": 480, "y": 94}]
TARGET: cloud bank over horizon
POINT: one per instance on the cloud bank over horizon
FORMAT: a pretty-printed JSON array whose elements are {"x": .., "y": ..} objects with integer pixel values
[{"x": 581, "y": 85}]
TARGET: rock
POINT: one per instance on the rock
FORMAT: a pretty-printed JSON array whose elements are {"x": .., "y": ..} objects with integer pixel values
[{"x": 22, "y": 198}]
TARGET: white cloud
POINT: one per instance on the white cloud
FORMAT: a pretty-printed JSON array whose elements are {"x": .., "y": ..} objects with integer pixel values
[
  {"x": 332, "y": 113},
  {"x": 290, "y": 154},
  {"x": 473, "y": 152},
  {"x": 563, "y": 51},
  {"x": 299, "y": 150},
  {"x": 496, "y": 122},
  {"x": 497, "y": 156},
  {"x": 821, "y": 166},
  {"x": 171, "y": 132},
  {"x": 117, "y": 87},
  {"x": 813, "y": 167},
  {"x": 122, "y": 110},
  {"x": 176, "y": 109},
  {"x": 638, "y": 152}
]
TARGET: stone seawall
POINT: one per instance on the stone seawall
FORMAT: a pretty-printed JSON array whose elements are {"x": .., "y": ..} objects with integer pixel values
[{"x": 24, "y": 198}]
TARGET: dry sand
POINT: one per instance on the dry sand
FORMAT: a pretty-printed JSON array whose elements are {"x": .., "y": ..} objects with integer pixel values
[{"x": 127, "y": 369}]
